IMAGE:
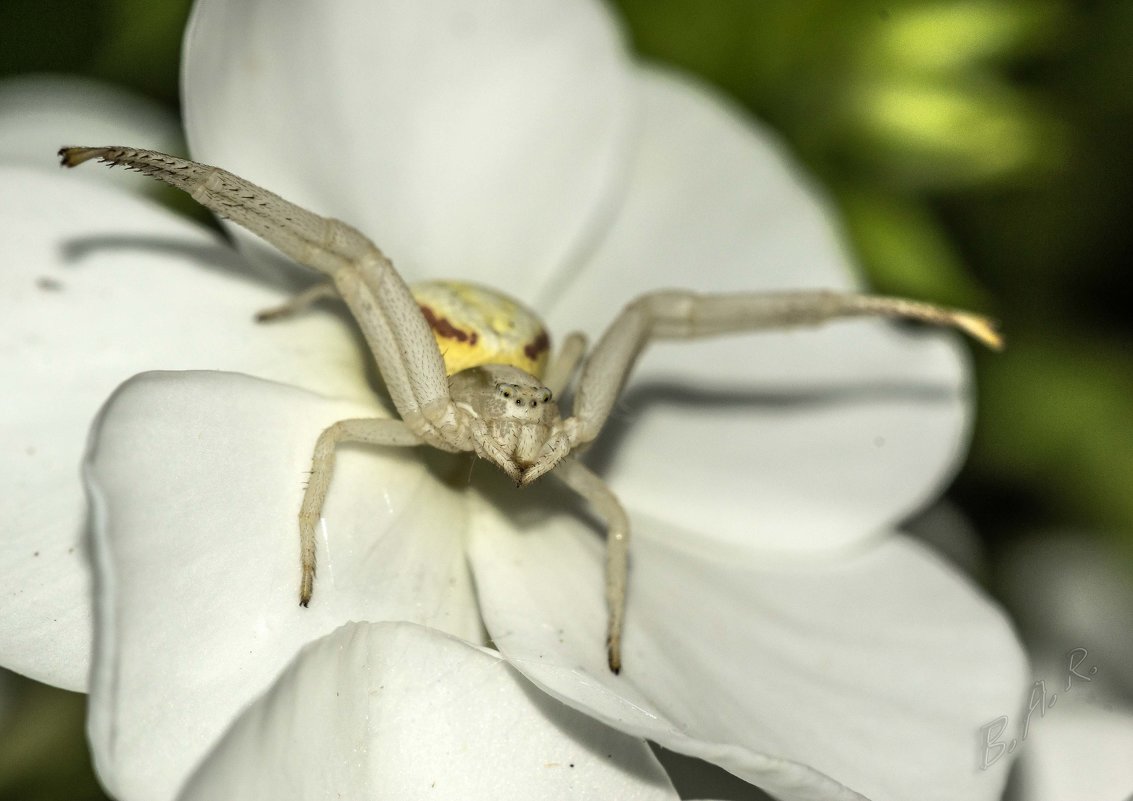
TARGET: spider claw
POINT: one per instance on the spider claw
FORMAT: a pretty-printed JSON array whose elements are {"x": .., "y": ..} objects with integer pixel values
[
  {"x": 614, "y": 657},
  {"x": 306, "y": 589}
]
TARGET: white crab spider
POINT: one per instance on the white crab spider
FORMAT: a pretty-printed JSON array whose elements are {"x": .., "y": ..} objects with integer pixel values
[{"x": 492, "y": 396}]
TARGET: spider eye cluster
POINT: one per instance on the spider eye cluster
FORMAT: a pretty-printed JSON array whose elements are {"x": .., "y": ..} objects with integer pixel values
[{"x": 513, "y": 393}]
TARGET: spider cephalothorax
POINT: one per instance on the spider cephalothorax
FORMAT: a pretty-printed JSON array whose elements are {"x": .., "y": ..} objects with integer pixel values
[
  {"x": 519, "y": 417},
  {"x": 464, "y": 365}
]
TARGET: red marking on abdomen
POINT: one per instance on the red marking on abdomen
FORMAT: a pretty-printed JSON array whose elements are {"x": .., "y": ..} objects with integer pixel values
[
  {"x": 446, "y": 329},
  {"x": 541, "y": 343}
]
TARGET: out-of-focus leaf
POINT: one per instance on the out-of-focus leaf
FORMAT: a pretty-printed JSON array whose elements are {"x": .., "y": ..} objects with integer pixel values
[
  {"x": 132, "y": 43},
  {"x": 940, "y": 37},
  {"x": 43, "y": 750},
  {"x": 47, "y": 35},
  {"x": 142, "y": 45},
  {"x": 1059, "y": 415},
  {"x": 754, "y": 50},
  {"x": 928, "y": 134},
  {"x": 904, "y": 249}
]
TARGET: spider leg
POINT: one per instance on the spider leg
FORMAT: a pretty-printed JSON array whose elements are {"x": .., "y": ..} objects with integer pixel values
[
  {"x": 583, "y": 481},
  {"x": 560, "y": 371},
  {"x": 378, "y": 298},
  {"x": 487, "y": 447},
  {"x": 688, "y": 315},
  {"x": 367, "y": 431},
  {"x": 297, "y": 303}
]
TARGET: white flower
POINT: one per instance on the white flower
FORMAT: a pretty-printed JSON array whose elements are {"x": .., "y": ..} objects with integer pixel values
[
  {"x": 1073, "y": 727},
  {"x": 772, "y": 627},
  {"x": 393, "y": 710}
]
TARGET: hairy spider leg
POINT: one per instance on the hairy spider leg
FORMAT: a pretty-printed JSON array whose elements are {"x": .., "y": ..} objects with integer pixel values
[
  {"x": 367, "y": 431},
  {"x": 689, "y": 315},
  {"x": 379, "y": 299},
  {"x": 583, "y": 481}
]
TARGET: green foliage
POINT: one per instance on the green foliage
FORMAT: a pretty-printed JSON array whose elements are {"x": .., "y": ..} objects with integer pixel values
[
  {"x": 132, "y": 43},
  {"x": 43, "y": 748}
]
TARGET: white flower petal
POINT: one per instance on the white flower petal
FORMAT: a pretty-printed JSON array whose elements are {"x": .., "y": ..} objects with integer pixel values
[
  {"x": 397, "y": 711},
  {"x": 97, "y": 286},
  {"x": 1077, "y": 753},
  {"x": 874, "y": 670},
  {"x": 468, "y": 140},
  {"x": 41, "y": 113},
  {"x": 196, "y": 480},
  {"x": 797, "y": 440}
]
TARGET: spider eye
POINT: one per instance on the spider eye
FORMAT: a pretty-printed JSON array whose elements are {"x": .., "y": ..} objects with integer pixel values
[
  {"x": 533, "y": 404},
  {"x": 545, "y": 396}
]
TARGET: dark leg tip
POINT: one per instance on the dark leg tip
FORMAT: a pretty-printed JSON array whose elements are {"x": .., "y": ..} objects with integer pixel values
[{"x": 614, "y": 658}]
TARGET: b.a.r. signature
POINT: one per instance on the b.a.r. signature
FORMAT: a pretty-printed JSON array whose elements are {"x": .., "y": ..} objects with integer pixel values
[{"x": 993, "y": 748}]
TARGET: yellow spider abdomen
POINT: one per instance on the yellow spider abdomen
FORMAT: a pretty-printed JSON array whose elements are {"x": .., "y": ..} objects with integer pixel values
[{"x": 475, "y": 326}]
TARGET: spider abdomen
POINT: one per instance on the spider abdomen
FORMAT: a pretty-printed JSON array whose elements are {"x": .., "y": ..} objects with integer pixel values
[{"x": 476, "y": 326}]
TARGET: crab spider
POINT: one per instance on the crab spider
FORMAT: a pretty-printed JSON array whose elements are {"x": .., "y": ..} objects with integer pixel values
[{"x": 492, "y": 391}]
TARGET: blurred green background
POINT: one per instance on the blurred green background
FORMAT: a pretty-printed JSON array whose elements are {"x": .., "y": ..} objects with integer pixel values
[{"x": 980, "y": 153}]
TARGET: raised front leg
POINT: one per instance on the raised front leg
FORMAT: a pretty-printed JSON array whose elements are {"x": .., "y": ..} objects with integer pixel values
[
  {"x": 397, "y": 333},
  {"x": 367, "y": 431},
  {"x": 687, "y": 315},
  {"x": 580, "y": 479}
]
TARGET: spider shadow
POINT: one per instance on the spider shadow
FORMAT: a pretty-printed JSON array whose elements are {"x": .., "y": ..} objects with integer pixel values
[
  {"x": 527, "y": 507},
  {"x": 219, "y": 257},
  {"x": 640, "y": 398},
  {"x": 579, "y": 728},
  {"x": 222, "y": 257}
]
